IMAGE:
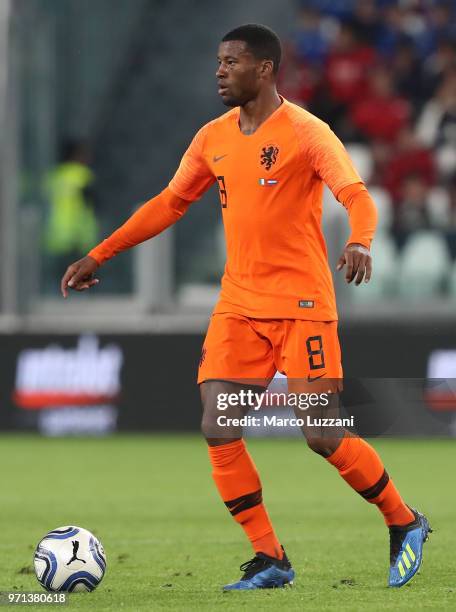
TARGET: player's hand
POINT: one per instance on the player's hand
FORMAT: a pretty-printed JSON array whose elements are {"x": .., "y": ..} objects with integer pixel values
[
  {"x": 79, "y": 276},
  {"x": 358, "y": 260}
]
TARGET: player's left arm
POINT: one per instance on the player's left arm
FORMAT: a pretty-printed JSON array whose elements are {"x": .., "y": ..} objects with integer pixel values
[
  {"x": 362, "y": 215},
  {"x": 332, "y": 163}
]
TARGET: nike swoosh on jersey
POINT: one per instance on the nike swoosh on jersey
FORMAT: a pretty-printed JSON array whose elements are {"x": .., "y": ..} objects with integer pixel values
[
  {"x": 311, "y": 379},
  {"x": 217, "y": 158}
]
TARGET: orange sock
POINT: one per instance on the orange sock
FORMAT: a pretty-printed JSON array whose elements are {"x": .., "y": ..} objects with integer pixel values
[
  {"x": 239, "y": 485},
  {"x": 360, "y": 466}
]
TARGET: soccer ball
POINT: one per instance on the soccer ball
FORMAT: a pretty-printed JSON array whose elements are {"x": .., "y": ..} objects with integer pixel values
[{"x": 69, "y": 559}]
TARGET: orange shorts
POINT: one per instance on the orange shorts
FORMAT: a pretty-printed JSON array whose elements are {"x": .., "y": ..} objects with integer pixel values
[{"x": 239, "y": 348}]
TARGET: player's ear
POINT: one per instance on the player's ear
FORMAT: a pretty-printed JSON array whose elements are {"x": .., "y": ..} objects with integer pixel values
[{"x": 266, "y": 68}]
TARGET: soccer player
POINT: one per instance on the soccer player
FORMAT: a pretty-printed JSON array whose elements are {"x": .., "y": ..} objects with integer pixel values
[{"x": 277, "y": 310}]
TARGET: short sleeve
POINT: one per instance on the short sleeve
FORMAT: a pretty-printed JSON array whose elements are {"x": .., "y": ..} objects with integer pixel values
[
  {"x": 329, "y": 157},
  {"x": 193, "y": 177}
]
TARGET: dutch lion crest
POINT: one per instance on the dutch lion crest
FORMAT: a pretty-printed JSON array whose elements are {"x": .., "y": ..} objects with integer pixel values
[{"x": 269, "y": 155}]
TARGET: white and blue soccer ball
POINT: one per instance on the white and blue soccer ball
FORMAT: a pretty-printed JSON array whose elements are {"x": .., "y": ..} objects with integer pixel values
[{"x": 69, "y": 559}]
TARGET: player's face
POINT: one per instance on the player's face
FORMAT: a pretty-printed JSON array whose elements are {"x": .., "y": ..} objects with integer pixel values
[{"x": 239, "y": 73}]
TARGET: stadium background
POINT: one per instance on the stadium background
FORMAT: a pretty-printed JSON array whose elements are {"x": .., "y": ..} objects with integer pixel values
[{"x": 134, "y": 81}]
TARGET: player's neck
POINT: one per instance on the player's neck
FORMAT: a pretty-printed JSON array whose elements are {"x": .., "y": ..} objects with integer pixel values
[{"x": 255, "y": 112}]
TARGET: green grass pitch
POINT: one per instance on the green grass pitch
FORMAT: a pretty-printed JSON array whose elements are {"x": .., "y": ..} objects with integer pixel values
[{"x": 171, "y": 543}]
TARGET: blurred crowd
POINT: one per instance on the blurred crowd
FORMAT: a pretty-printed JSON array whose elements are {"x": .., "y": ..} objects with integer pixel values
[{"x": 383, "y": 75}]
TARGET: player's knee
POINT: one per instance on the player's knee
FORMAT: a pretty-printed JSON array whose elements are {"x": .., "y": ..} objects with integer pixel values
[
  {"x": 322, "y": 446},
  {"x": 208, "y": 420},
  {"x": 208, "y": 425}
]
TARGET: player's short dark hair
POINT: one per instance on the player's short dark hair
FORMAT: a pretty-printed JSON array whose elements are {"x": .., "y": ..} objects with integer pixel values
[{"x": 261, "y": 41}]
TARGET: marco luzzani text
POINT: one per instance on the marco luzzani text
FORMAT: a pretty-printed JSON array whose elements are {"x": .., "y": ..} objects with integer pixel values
[{"x": 251, "y": 400}]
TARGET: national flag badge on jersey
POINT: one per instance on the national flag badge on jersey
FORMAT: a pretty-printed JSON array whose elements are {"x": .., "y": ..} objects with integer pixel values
[{"x": 264, "y": 181}]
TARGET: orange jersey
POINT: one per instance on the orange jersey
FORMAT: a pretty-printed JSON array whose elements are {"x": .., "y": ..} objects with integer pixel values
[{"x": 271, "y": 186}]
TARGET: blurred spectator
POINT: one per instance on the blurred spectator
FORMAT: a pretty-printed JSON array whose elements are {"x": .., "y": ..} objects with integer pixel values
[
  {"x": 71, "y": 227},
  {"x": 380, "y": 113},
  {"x": 406, "y": 70},
  {"x": 411, "y": 214},
  {"x": 441, "y": 26},
  {"x": 393, "y": 31},
  {"x": 415, "y": 27},
  {"x": 367, "y": 21},
  {"x": 341, "y": 9},
  {"x": 347, "y": 65},
  {"x": 297, "y": 80},
  {"x": 381, "y": 152},
  {"x": 437, "y": 123},
  {"x": 310, "y": 42},
  {"x": 408, "y": 158},
  {"x": 438, "y": 64}
]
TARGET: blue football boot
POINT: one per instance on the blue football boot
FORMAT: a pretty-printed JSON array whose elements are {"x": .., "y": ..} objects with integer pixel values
[
  {"x": 264, "y": 572},
  {"x": 406, "y": 549}
]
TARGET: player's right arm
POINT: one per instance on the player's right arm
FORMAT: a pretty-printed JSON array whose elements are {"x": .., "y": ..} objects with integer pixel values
[{"x": 191, "y": 180}]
